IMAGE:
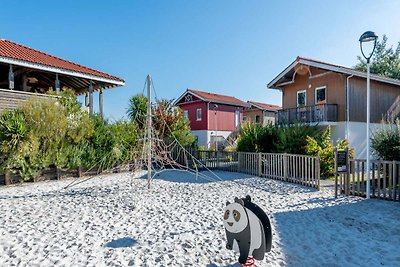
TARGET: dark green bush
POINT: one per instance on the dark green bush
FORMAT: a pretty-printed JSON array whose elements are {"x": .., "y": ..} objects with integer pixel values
[
  {"x": 385, "y": 142},
  {"x": 276, "y": 139},
  {"x": 292, "y": 138},
  {"x": 257, "y": 138}
]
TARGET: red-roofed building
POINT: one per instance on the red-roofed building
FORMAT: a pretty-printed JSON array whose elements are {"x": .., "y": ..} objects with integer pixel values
[
  {"x": 27, "y": 72},
  {"x": 260, "y": 113},
  {"x": 213, "y": 117}
]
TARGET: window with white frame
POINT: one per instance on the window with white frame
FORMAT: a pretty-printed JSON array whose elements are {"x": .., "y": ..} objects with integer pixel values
[
  {"x": 320, "y": 95},
  {"x": 301, "y": 98},
  {"x": 186, "y": 114},
  {"x": 198, "y": 114}
]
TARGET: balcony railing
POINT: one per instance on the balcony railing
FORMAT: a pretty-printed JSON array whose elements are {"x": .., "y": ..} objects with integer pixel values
[
  {"x": 11, "y": 99},
  {"x": 308, "y": 114}
]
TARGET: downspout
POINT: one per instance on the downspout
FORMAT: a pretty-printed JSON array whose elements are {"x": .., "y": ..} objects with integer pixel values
[
  {"x": 347, "y": 107},
  {"x": 208, "y": 125}
]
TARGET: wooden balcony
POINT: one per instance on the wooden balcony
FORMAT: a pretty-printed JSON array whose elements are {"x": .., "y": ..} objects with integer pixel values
[
  {"x": 11, "y": 99},
  {"x": 308, "y": 114}
]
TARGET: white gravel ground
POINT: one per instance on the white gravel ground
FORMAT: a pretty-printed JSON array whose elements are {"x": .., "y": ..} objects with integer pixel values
[{"x": 114, "y": 220}]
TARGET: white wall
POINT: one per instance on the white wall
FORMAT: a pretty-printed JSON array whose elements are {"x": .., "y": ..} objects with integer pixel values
[
  {"x": 357, "y": 136},
  {"x": 204, "y": 136}
]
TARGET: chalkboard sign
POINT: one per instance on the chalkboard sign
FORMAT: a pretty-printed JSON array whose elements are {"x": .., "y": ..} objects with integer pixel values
[{"x": 341, "y": 160}]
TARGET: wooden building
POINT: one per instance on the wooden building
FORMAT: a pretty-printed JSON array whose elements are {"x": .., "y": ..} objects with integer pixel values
[
  {"x": 262, "y": 113},
  {"x": 27, "y": 73},
  {"x": 327, "y": 94},
  {"x": 214, "y": 118}
]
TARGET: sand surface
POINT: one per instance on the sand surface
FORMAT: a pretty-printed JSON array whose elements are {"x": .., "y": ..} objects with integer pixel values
[{"x": 114, "y": 220}]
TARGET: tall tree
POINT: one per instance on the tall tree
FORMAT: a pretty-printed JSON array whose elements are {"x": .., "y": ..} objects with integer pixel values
[
  {"x": 168, "y": 121},
  {"x": 385, "y": 61}
]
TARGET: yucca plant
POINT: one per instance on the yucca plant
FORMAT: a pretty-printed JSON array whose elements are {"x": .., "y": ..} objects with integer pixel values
[
  {"x": 13, "y": 130},
  {"x": 385, "y": 142}
]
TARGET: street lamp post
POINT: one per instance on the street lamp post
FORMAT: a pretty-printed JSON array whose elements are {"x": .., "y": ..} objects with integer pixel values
[
  {"x": 367, "y": 37},
  {"x": 216, "y": 126}
]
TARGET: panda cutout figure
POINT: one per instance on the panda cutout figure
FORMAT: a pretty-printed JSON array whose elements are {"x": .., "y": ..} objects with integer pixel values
[{"x": 248, "y": 230}]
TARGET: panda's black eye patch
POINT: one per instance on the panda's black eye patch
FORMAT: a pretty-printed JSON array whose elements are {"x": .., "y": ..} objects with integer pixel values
[
  {"x": 236, "y": 215},
  {"x": 226, "y": 215}
]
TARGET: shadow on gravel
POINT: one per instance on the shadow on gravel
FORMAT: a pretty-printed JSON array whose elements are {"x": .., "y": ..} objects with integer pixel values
[{"x": 124, "y": 242}]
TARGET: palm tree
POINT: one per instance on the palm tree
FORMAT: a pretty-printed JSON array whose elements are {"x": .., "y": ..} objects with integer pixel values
[{"x": 137, "y": 109}]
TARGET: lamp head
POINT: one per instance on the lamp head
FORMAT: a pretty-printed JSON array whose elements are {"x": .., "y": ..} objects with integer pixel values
[{"x": 368, "y": 37}]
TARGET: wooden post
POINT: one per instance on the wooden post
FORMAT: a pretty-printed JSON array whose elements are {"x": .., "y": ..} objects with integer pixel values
[
  {"x": 86, "y": 100},
  {"x": 336, "y": 174},
  {"x": 7, "y": 178},
  {"x": 91, "y": 99},
  {"x": 57, "y": 84},
  {"x": 394, "y": 184},
  {"x": 11, "y": 78},
  {"x": 101, "y": 102},
  {"x": 58, "y": 173},
  {"x": 318, "y": 173},
  {"x": 239, "y": 159},
  {"x": 148, "y": 121},
  {"x": 285, "y": 167},
  {"x": 79, "y": 172},
  {"x": 348, "y": 167},
  {"x": 259, "y": 164}
]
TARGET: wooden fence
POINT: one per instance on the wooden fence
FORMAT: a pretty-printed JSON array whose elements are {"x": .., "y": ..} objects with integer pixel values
[
  {"x": 384, "y": 183},
  {"x": 300, "y": 169}
]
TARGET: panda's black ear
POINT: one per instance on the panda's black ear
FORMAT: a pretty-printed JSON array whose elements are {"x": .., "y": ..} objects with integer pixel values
[
  {"x": 227, "y": 203},
  {"x": 248, "y": 198},
  {"x": 239, "y": 201}
]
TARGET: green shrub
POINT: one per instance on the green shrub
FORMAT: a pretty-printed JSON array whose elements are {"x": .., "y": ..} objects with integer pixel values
[
  {"x": 56, "y": 133},
  {"x": 324, "y": 148},
  {"x": 251, "y": 138},
  {"x": 276, "y": 139},
  {"x": 292, "y": 138},
  {"x": 385, "y": 142}
]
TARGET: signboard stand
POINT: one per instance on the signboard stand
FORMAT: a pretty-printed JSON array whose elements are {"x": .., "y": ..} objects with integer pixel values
[{"x": 342, "y": 166}]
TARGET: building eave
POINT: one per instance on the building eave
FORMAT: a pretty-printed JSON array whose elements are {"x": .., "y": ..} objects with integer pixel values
[
  {"x": 275, "y": 84},
  {"x": 27, "y": 64}
]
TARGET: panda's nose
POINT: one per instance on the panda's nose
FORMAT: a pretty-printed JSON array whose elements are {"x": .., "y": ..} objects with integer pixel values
[{"x": 230, "y": 224}]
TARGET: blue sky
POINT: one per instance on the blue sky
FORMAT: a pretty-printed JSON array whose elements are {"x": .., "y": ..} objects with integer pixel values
[{"x": 227, "y": 47}]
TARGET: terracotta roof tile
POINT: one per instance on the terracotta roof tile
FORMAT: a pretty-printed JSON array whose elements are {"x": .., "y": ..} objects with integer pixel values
[
  {"x": 218, "y": 98},
  {"x": 265, "y": 105},
  {"x": 13, "y": 50}
]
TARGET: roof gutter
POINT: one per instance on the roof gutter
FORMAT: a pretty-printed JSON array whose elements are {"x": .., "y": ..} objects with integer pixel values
[{"x": 347, "y": 106}]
